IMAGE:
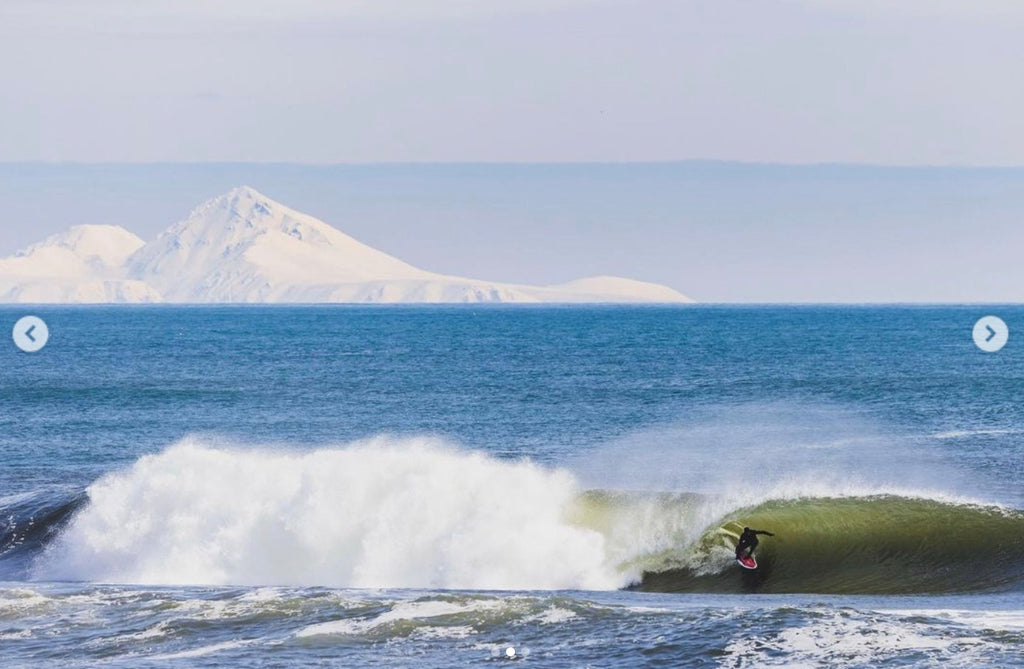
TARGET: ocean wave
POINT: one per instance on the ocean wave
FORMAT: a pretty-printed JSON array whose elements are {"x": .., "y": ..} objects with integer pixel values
[
  {"x": 419, "y": 513},
  {"x": 881, "y": 544}
]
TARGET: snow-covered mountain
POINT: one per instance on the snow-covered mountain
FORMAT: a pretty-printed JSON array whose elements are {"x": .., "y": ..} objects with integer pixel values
[
  {"x": 244, "y": 247},
  {"x": 82, "y": 264}
]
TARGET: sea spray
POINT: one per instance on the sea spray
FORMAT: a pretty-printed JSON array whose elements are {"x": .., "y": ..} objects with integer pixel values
[{"x": 380, "y": 513}]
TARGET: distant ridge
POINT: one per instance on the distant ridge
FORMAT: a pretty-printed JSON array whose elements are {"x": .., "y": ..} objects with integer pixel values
[
  {"x": 83, "y": 264},
  {"x": 244, "y": 247}
]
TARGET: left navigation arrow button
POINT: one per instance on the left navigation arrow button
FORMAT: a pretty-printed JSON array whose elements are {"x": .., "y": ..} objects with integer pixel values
[{"x": 30, "y": 334}]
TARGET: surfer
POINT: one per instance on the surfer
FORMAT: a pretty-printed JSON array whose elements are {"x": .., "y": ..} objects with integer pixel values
[{"x": 748, "y": 542}]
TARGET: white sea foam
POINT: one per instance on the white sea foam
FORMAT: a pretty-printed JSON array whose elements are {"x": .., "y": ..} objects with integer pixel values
[
  {"x": 1004, "y": 621},
  {"x": 381, "y": 513},
  {"x": 203, "y": 651},
  {"x": 453, "y": 632},
  {"x": 18, "y": 602},
  {"x": 849, "y": 639},
  {"x": 553, "y": 615},
  {"x": 404, "y": 611},
  {"x": 20, "y": 635}
]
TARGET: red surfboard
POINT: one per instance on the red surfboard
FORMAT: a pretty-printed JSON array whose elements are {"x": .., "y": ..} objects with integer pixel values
[{"x": 747, "y": 562}]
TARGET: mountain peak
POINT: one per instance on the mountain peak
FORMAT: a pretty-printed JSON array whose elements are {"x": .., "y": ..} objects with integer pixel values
[
  {"x": 78, "y": 249},
  {"x": 243, "y": 246},
  {"x": 244, "y": 191},
  {"x": 243, "y": 243},
  {"x": 246, "y": 195},
  {"x": 85, "y": 263},
  {"x": 243, "y": 203}
]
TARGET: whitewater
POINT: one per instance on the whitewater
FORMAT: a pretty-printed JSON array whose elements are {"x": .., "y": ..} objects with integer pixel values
[{"x": 405, "y": 514}]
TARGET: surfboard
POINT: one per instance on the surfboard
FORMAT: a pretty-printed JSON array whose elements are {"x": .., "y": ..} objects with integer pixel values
[{"x": 747, "y": 562}]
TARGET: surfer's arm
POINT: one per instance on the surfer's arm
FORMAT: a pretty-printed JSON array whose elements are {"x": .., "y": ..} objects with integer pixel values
[{"x": 770, "y": 534}]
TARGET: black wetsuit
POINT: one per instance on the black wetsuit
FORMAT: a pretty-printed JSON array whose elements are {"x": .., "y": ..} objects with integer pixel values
[{"x": 748, "y": 542}]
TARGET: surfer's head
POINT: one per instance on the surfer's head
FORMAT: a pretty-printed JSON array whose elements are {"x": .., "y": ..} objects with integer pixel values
[{"x": 746, "y": 529}]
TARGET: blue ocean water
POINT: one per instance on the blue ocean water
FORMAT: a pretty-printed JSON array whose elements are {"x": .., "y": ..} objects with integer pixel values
[{"x": 432, "y": 485}]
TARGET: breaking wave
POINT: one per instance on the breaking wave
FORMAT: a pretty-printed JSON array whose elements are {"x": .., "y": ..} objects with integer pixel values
[
  {"x": 382, "y": 513},
  {"x": 879, "y": 544},
  {"x": 418, "y": 513}
]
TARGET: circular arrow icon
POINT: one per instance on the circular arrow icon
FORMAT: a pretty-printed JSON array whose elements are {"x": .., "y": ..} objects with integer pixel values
[
  {"x": 991, "y": 334},
  {"x": 30, "y": 334}
]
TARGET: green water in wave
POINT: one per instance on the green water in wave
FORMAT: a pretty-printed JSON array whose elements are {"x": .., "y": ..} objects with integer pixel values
[
  {"x": 882, "y": 544},
  {"x": 872, "y": 545}
]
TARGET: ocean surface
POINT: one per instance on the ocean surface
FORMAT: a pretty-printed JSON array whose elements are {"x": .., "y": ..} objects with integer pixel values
[{"x": 407, "y": 486}]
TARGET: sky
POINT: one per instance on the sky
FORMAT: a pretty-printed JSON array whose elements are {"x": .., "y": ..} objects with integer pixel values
[
  {"x": 543, "y": 140},
  {"x": 915, "y": 82}
]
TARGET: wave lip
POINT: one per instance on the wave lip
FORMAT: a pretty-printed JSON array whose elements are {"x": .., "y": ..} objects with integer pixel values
[{"x": 28, "y": 523}]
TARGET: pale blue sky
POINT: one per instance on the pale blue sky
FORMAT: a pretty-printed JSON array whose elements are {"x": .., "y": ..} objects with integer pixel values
[{"x": 913, "y": 82}]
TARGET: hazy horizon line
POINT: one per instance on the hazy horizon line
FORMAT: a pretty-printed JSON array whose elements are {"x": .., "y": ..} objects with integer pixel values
[{"x": 520, "y": 163}]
